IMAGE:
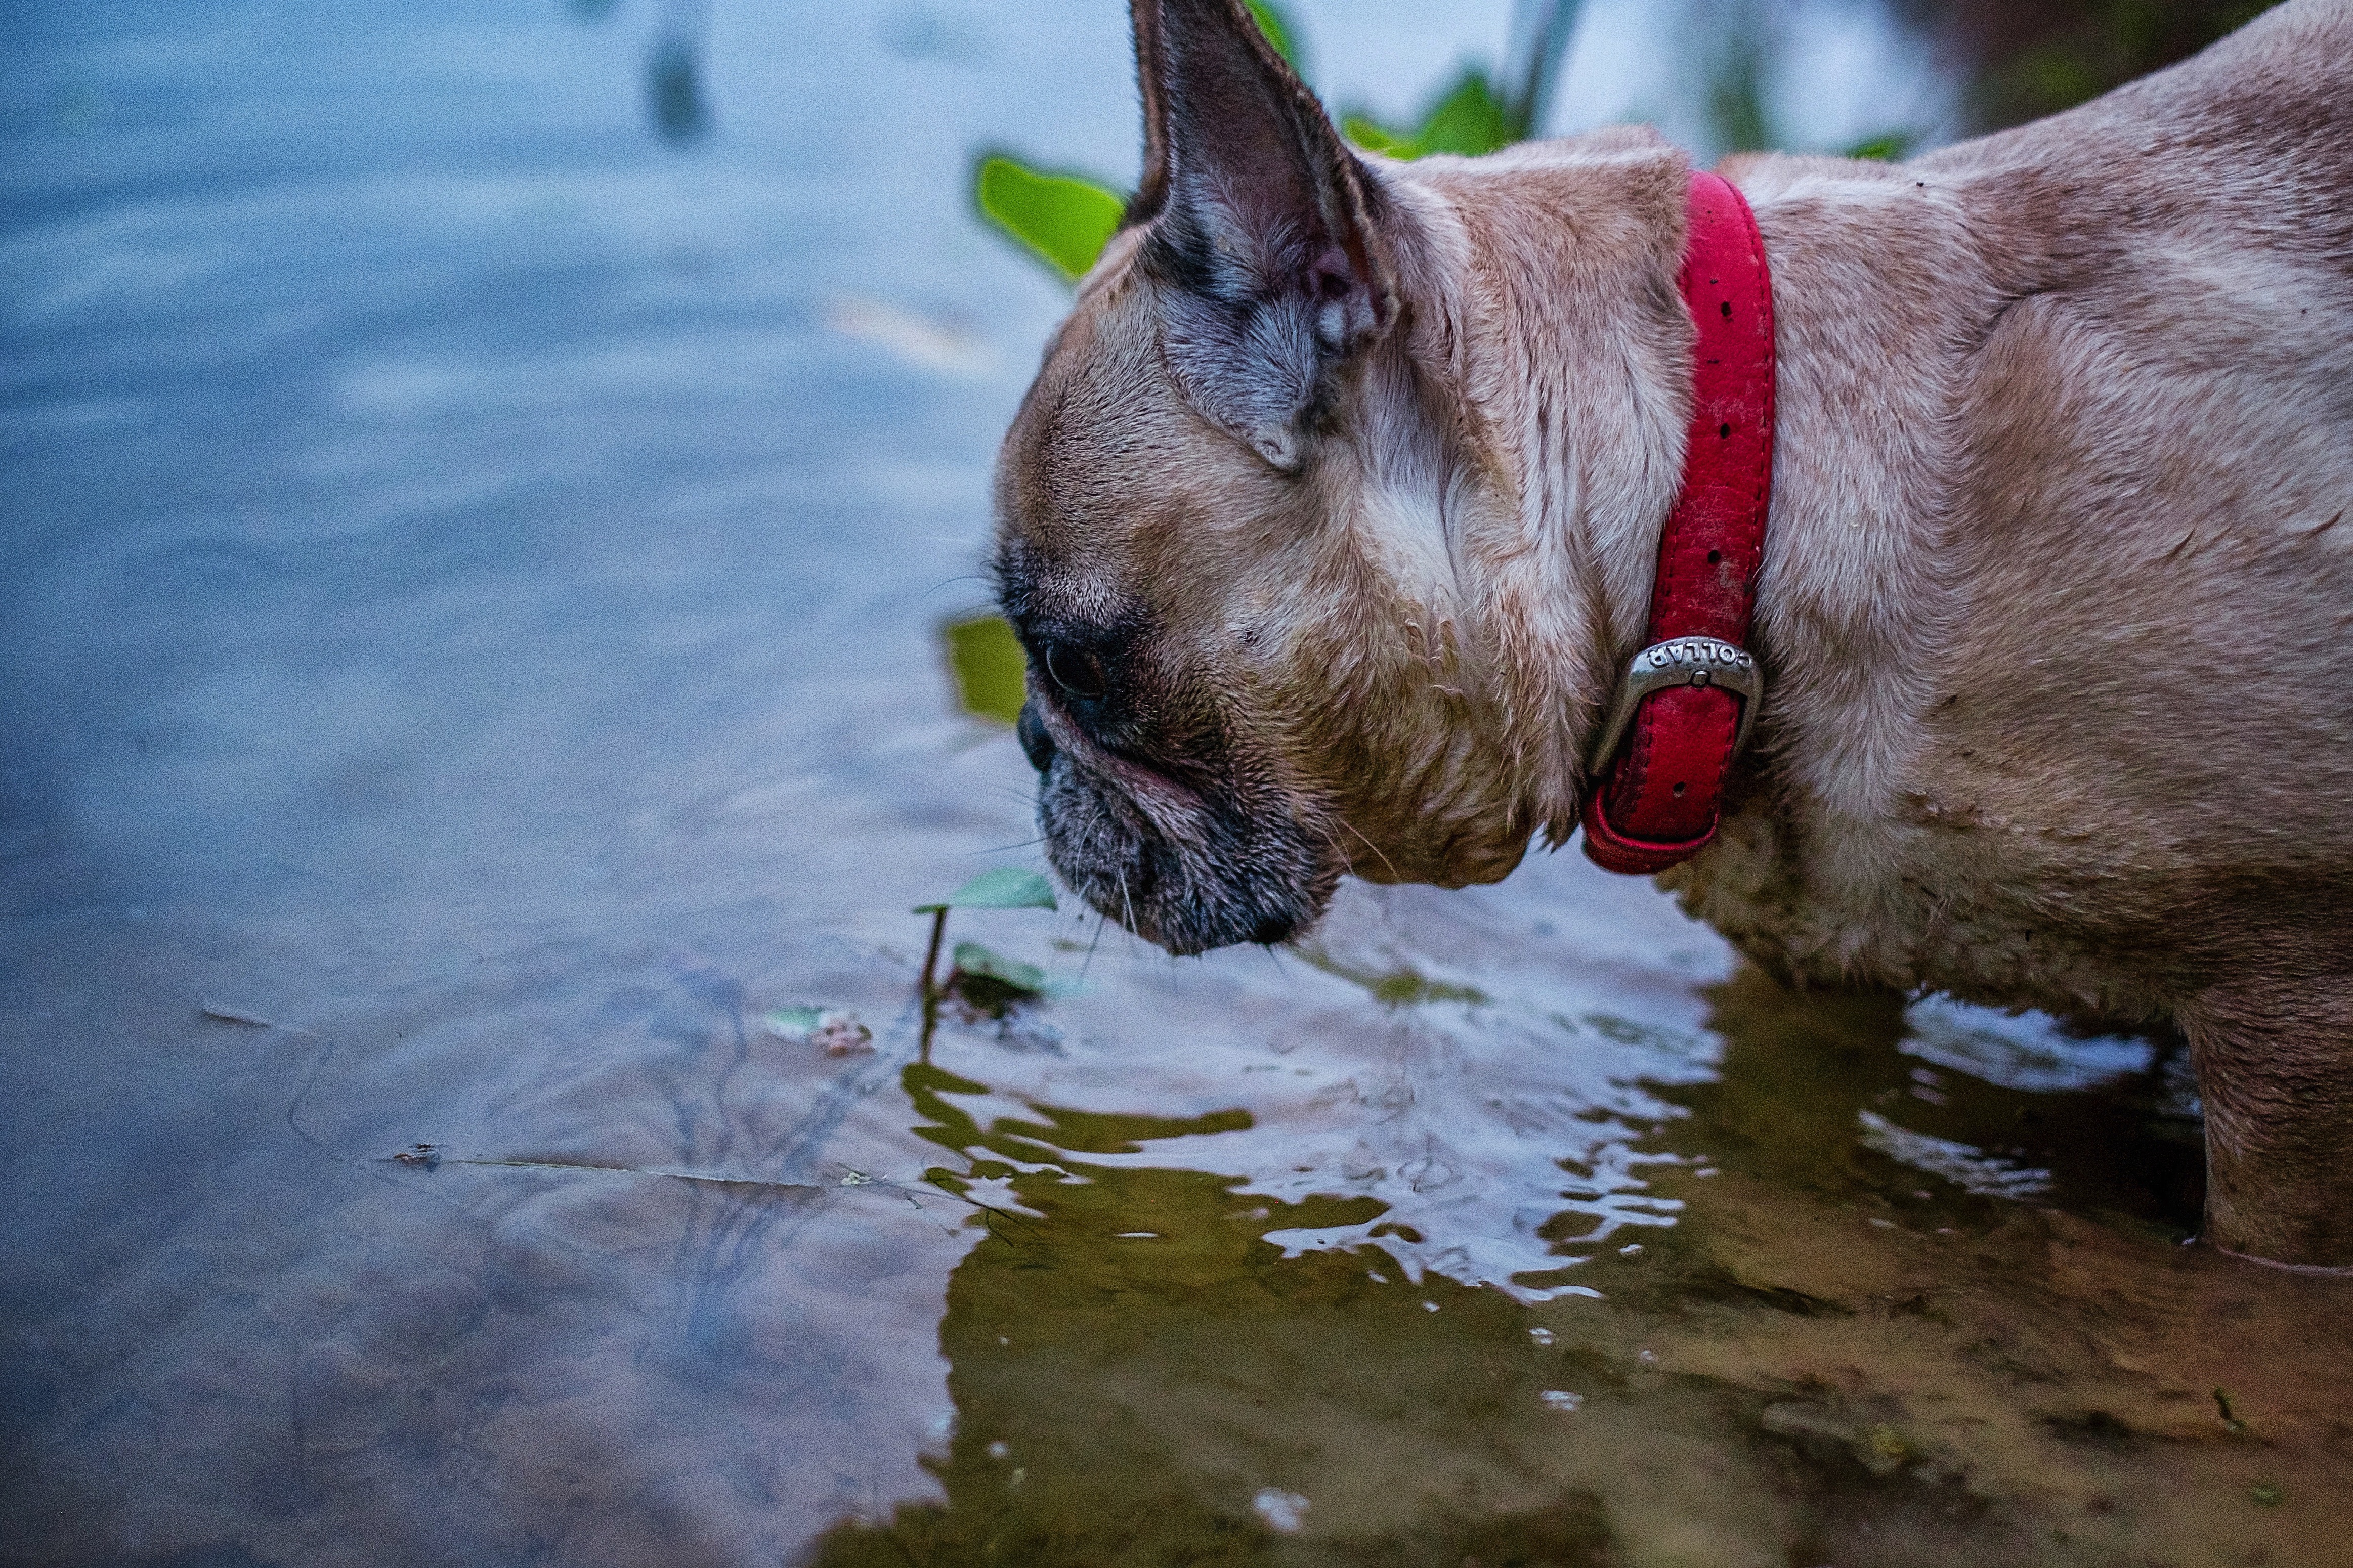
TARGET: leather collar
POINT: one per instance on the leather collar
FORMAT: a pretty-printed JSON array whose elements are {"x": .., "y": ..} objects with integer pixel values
[{"x": 1656, "y": 795}]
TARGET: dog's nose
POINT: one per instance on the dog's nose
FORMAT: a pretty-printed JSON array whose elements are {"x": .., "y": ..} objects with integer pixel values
[{"x": 1035, "y": 742}]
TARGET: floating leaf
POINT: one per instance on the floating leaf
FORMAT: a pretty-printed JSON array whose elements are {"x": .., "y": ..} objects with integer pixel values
[
  {"x": 1064, "y": 219},
  {"x": 991, "y": 983},
  {"x": 1277, "y": 30},
  {"x": 1006, "y": 888},
  {"x": 988, "y": 664},
  {"x": 971, "y": 958},
  {"x": 831, "y": 1030}
]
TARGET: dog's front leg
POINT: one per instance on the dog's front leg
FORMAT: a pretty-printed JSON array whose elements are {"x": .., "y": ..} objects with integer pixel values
[{"x": 2274, "y": 1068}]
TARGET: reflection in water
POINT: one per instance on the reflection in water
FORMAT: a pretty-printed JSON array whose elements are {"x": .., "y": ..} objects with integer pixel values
[
  {"x": 674, "y": 89},
  {"x": 1140, "y": 1375},
  {"x": 1869, "y": 1361},
  {"x": 674, "y": 93}
]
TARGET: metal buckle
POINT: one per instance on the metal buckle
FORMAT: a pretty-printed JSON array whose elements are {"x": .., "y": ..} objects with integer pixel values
[{"x": 1683, "y": 661}]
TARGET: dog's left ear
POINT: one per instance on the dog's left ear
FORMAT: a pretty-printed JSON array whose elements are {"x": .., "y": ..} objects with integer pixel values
[{"x": 1266, "y": 232}]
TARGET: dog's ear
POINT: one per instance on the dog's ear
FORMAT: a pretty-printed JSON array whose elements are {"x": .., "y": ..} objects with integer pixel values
[{"x": 1266, "y": 233}]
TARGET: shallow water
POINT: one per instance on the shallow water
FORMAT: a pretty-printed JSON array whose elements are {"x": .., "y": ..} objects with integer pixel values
[{"x": 475, "y": 566}]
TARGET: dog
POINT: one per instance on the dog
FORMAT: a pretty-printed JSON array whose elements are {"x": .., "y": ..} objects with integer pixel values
[{"x": 1330, "y": 521}]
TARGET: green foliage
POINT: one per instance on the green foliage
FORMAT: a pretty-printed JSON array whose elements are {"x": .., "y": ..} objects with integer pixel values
[
  {"x": 988, "y": 664},
  {"x": 1062, "y": 219},
  {"x": 1735, "y": 98},
  {"x": 1888, "y": 147},
  {"x": 1469, "y": 119},
  {"x": 1006, "y": 888},
  {"x": 1278, "y": 32},
  {"x": 2038, "y": 58}
]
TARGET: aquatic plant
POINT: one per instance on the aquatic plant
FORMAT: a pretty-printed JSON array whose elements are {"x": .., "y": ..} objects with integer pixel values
[
  {"x": 991, "y": 982},
  {"x": 1064, "y": 219}
]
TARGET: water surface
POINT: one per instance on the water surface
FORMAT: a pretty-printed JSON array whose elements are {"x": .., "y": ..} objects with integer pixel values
[{"x": 483, "y": 497}]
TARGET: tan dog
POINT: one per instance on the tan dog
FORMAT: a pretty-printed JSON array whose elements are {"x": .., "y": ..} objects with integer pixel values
[{"x": 1332, "y": 518}]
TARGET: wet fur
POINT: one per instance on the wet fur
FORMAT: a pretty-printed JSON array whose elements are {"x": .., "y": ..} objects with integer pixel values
[{"x": 2054, "y": 596}]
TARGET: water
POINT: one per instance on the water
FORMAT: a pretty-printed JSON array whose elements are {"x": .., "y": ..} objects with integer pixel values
[{"x": 479, "y": 520}]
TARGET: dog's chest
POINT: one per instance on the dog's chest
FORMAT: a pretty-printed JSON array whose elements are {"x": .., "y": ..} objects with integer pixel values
[{"x": 1910, "y": 906}]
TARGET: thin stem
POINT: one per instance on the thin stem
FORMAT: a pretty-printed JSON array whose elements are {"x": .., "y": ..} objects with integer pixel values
[
  {"x": 1543, "y": 30},
  {"x": 929, "y": 991}
]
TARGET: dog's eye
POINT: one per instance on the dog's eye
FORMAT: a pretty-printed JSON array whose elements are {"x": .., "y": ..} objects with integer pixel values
[{"x": 1078, "y": 674}]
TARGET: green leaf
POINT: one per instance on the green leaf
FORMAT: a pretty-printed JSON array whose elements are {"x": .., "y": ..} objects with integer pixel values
[
  {"x": 1470, "y": 121},
  {"x": 1064, "y": 219},
  {"x": 988, "y": 664},
  {"x": 971, "y": 958},
  {"x": 1006, "y": 888},
  {"x": 1377, "y": 138},
  {"x": 1277, "y": 30},
  {"x": 1888, "y": 147}
]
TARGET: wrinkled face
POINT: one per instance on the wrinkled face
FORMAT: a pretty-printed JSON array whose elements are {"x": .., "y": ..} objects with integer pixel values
[
  {"x": 1227, "y": 687},
  {"x": 1131, "y": 560},
  {"x": 1236, "y": 521}
]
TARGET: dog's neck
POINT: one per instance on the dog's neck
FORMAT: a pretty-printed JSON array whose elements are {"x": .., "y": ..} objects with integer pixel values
[{"x": 1545, "y": 305}]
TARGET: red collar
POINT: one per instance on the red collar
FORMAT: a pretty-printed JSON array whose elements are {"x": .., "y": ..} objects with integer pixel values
[{"x": 1676, "y": 722}]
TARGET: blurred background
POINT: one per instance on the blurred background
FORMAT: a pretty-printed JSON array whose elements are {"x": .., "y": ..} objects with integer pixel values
[{"x": 483, "y": 485}]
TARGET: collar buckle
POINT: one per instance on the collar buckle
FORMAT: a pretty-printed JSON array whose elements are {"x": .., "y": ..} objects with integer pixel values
[{"x": 1682, "y": 661}]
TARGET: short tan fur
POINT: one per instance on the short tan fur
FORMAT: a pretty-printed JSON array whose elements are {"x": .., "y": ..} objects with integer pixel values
[{"x": 1334, "y": 507}]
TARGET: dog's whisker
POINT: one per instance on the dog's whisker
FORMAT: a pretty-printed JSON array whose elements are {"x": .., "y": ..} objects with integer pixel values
[
  {"x": 1094, "y": 942},
  {"x": 1369, "y": 845}
]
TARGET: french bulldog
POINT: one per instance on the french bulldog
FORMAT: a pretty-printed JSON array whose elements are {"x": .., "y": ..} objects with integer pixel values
[{"x": 1330, "y": 523}]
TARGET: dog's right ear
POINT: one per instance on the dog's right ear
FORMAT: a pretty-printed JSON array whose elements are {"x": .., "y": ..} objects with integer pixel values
[{"x": 1266, "y": 231}]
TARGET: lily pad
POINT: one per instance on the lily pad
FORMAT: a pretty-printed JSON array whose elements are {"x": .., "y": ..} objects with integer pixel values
[{"x": 1006, "y": 888}]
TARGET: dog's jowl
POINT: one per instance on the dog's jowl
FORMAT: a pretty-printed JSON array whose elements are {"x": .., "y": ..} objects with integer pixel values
[{"x": 1335, "y": 516}]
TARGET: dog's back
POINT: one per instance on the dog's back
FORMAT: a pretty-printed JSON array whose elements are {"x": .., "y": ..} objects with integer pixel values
[
  {"x": 2120, "y": 567},
  {"x": 2083, "y": 391}
]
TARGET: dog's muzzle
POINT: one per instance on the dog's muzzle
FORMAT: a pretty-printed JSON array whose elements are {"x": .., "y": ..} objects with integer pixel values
[
  {"x": 1186, "y": 870},
  {"x": 1036, "y": 744}
]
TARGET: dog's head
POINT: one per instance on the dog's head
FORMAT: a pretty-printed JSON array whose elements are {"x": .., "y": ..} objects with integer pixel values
[{"x": 1267, "y": 551}]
